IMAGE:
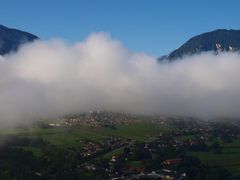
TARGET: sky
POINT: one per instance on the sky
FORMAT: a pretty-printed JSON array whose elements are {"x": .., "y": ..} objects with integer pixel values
[
  {"x": 95, "y": 49},
  {"x": 155, "y": 27}
]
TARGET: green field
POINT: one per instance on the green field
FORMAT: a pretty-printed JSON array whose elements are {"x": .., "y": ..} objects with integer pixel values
[
  {"x": 72, "y": 137},
  {"x": 59, "y": 136},
  {"x": 229, "y": 158},
  {"x": 141, "y": 131},
  {"x": 36, "y": 151},
  {"x": 111, "y": 153}
]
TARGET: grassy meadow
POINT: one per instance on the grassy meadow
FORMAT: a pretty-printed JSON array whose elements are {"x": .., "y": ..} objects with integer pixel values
[{"x": 229, "y": 158}]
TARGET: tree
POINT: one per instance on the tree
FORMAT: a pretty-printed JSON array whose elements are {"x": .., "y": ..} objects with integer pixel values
[{"x": 216, "y": 148}]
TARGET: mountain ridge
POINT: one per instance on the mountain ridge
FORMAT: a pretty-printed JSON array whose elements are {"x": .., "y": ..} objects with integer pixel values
[
  {"x": 217, "y": 41},
  {"x": 11, "y": 39}
]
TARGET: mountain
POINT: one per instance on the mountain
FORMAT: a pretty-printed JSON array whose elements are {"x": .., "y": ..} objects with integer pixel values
[
  {"x": 217, "y": 41},
  {"x": 11, "y": 39}
]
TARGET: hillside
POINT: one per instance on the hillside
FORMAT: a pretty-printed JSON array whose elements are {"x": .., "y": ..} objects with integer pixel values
[
  {"x": 217, "y": 41},
  {"x": 11, "y": 39}
]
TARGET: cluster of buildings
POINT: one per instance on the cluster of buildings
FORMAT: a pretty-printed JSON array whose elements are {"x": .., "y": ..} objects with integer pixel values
[
  {"x": 92, "y": 149},
  {"x": 170, "y": 145},
  {"x": 94, "y": 119}
]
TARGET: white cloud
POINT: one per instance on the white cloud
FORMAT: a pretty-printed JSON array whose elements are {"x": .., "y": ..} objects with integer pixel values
[{"x": 51, "y": 78}]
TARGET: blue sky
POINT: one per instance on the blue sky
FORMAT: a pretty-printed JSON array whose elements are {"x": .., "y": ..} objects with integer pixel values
[{"x": 152, "y": 26}]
